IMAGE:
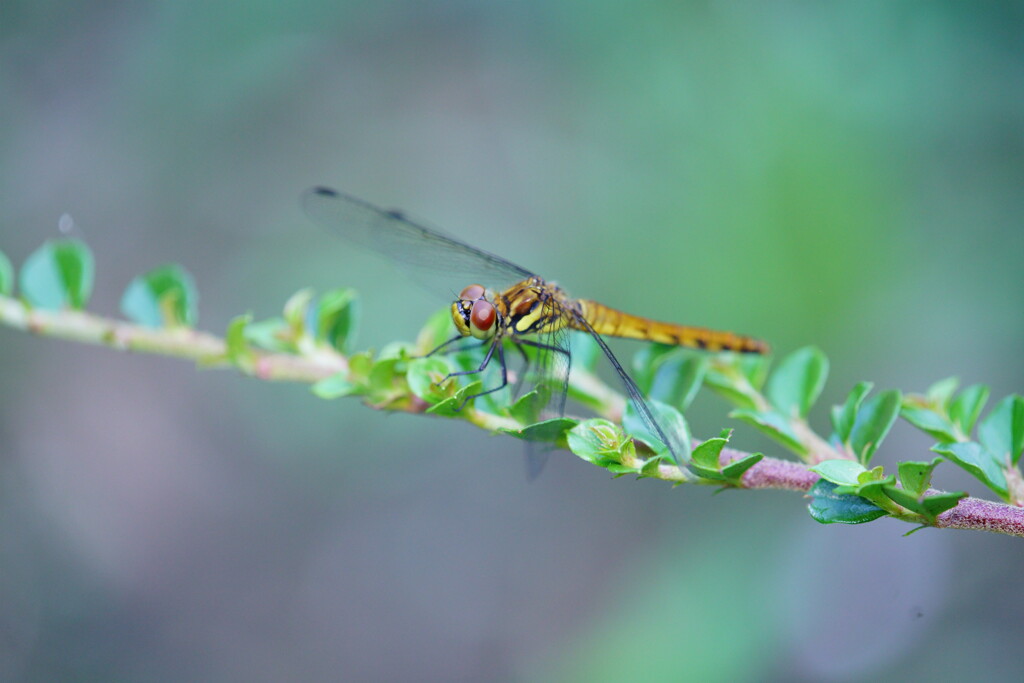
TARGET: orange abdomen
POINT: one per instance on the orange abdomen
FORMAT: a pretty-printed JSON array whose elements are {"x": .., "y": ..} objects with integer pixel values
[{"x": 613, "y": 323}]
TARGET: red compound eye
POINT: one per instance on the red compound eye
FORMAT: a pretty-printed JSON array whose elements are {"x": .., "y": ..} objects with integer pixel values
[
  {"x": 473, "y": 292},
  {"x": 483, "y": 315}
]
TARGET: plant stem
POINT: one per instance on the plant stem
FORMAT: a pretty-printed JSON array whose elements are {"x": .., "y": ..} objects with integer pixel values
[
  {"x": 205, "y": 349},
  {"x": 211, "y": 351}
]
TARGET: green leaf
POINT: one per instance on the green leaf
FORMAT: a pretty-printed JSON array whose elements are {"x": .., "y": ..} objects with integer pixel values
[
  {"x": 548, "y": 431},
  {"x": 671, "y": 422},
  {"x": 915, "y": 477},
  {"x": 359, "y": 366},
  {"x": 387, "y": 380},
  {"x": 237, "y": 348},
  {"x": 737, "y": 394},
  {"x": 401, "y": 350},
  {"x": 797, "y": 381},
  {"x": 874, "y": 420},
  {"x": 58, "y": 275},
  {"x": 735, "y": 470},
  {"x": 423, "y": 376},
  {"x": 6, "y": 275},
  {"x": 876, "y": 473},
  {"x": 529, "y": 406},
  {"x": 337, "y": 318},
  {"x": 753, "y": 367},
  {"x": 737, "y": 379},
  {"x": 978, "y": 461},
  {"x": 828, "y": 507},
  {"x": 1002, "y": 430},
  {"x": 904, "y": 499},
  {"x": 597, "y": 441},
  {"x": 872, "y": 491},
  {"x": 930, "y": 507},
  {"x": 843, "y": 418},
  {"x": 335, "y": 386},
  {"x": 927, "y": 420},
  {"x": 451, "y": 406},
  {"x": 706, "y": 454},
  {"x": 941, "y": 392},
  {"x": 650, "y": 467},
  {"x": 163, "y": 297},
  {"x": 296, "y": 309},
  {"x": 270, "y": 335},
  {"x": 940, "y": 502},
  {"x": 840, "y": 472},
  {"x": 645, "y": 363},
  {"x": 678, "y": 378},
  {"x": 966, "y": 407},
  {"x": 774, "y": 425}
]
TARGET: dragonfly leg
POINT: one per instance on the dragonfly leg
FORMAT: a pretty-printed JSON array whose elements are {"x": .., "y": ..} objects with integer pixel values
[
  {"x": 504, "y": 373},
  {"x": 538, "y": 345},
  {"x": 444, "y": 344},
  {"x": 483, "y": 365},
  {"x": 495, "y": 344}
]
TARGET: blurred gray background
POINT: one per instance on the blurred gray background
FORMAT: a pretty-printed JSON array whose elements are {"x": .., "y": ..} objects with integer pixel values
[{"x": 846, "y": 174}]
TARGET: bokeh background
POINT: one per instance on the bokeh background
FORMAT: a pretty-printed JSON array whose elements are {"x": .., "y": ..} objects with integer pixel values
[{"x": 844, "y": 174}]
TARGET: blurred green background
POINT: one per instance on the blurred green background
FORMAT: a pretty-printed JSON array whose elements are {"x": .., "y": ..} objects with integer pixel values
[{"x": 841, "y": 174}]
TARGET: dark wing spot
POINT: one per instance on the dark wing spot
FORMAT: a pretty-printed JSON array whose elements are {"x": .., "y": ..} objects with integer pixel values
[
  {"x": 325, "y": 191},
  {"x": 396, "y": 213}
]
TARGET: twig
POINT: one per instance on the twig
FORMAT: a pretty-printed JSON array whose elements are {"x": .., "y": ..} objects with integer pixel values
[{"x": 209, "y": 351}]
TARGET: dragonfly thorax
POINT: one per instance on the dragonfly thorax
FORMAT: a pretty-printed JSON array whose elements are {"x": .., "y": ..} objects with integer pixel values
[{"x": 473, "y": 315}]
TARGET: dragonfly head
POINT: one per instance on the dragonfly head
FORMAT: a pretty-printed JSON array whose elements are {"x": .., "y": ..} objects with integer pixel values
[{"x": 473, "y": 314}]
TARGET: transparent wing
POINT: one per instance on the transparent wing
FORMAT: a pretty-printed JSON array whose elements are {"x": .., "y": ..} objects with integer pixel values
[
  {"x": 441, "y": 262},
  {"x": 552, "y": 363},
  {"x": 557, "y": 361},
  {"x": 672, "y": 441}
]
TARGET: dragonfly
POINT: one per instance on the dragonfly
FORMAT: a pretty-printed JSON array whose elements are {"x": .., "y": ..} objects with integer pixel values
[{"x": 521, "y": 310}]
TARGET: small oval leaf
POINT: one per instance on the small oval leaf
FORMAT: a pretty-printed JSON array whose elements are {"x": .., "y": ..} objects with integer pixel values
[
  {"x": 774, "y": 425},
  {"x": 425, "y": 376},
  {"x": 840, "y": 472},
  {"x": 163, "y": 297},
  {"x": 844, "y": 417},
  {"x": 874, "y": 420},
  {"x": 929, "y": 421},
  {"x": 1002, "y": 430},
  {"x": 978, "y": 461},
  {"x": 967, "y": 406},
  {"x": 337, "y": 318},
  {"x": 669, "y": 421},
  {"x": 597, "y": 441},
  {"x": 335, "y": 386},
  {"x": 58, "y": 275},
  {"x": 915, "y": 477},
  {"x": 797, "y": 381},
  {"x": 6, "y": 275},
  {"x": 678, "y": 378},
  {"x": 828, "y": 507}
]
